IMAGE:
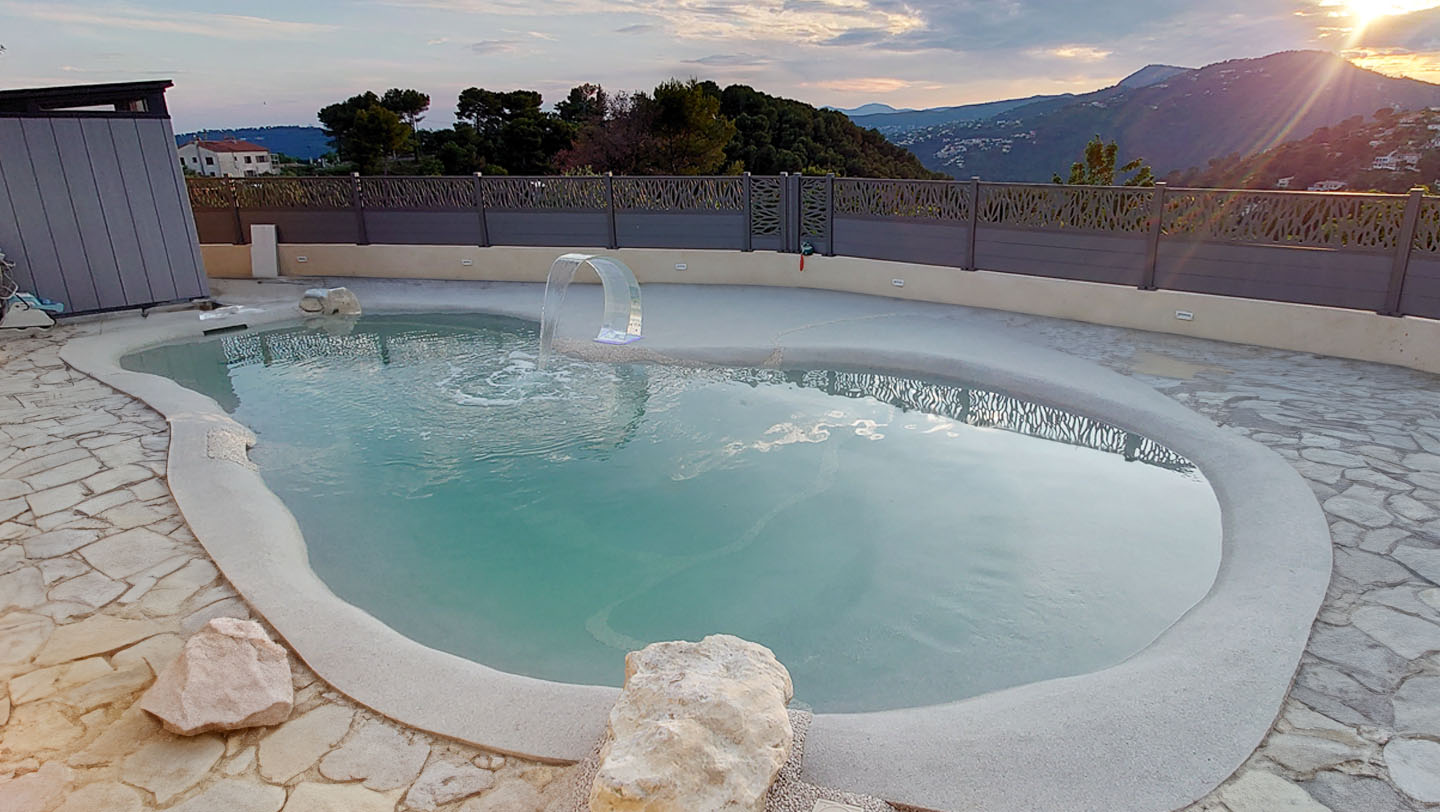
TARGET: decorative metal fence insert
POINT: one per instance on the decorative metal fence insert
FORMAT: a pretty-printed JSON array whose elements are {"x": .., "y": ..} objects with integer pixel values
[{"x": 1362, "y": 251}]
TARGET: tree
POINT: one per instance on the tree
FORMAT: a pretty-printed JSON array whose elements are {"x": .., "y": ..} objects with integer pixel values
[
  {"x": 410, "y": 105},
  {"x": 364, "y": 131},
  {"x": 378, "y": 134},
  {"x": 690, "y": 134},
  {"x": 620, "y": 140},
  {"x": 1098, "y": 167},
  {"x": 586, "y": 103},
  {"x": 511, "y": 132}
]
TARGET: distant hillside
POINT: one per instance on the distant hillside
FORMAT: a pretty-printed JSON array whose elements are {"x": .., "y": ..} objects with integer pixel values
[
  {"x": 306, "y": 143},
  {"x": 774, "y": 134},
  {"x": 894, "y": 122},
  {"x": 871, "y": 109},
  {"x": 1241, "y": 106},
  {"x": 1151, "y": 75},
  {"x": 904, "y": 121},
  {"x": 1392, "y": 153}
]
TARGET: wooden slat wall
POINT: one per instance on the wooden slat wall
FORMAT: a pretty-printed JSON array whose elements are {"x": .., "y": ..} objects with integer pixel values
[{"x": 95, "y": 212}]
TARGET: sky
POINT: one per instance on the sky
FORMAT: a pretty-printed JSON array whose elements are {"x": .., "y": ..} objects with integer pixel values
[{"x": 274, "y": 62}]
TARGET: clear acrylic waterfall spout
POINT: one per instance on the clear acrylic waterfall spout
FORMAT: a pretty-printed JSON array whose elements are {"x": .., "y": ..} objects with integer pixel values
[{"x": 621, "y": 324}]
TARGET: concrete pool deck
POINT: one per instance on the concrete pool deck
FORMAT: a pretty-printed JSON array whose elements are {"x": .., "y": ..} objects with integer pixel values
[{"x": 1334, "y": 754}]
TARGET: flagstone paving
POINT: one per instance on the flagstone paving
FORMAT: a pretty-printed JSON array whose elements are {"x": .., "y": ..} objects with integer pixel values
[
  {"x": 100, "y": 583},
  {"x": 101, "y": 580}
]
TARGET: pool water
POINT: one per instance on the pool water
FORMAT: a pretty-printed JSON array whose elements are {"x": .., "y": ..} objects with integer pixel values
[{"x": 896, "y": 542}]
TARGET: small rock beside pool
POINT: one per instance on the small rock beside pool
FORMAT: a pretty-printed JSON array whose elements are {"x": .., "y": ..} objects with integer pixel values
[
  {"x": 697, "y": 726},
  {"x": 231, "y": 675}
]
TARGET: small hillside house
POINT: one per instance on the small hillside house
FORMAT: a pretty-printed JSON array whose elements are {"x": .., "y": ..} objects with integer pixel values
[{"x": 230, "y": 158}]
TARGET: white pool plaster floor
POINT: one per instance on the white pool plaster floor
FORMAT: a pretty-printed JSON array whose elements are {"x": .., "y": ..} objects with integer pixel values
[{"x": 100, "y": 579}]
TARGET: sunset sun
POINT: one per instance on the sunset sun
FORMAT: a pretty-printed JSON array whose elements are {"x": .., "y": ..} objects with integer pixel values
[{"x": 1364, "y": 12}]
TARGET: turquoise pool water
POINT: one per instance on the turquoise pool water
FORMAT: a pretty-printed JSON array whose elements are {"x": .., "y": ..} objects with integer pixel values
[{"x": 897, "y": 542}]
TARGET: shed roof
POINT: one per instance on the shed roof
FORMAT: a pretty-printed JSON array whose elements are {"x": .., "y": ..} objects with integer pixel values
[
  {"x": 132, "y": 99},
  {"x": 229, "y": 145}
]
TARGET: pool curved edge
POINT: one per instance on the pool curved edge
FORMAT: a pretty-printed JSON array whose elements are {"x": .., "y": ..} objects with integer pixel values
[{"x": 1154, "y": 732}]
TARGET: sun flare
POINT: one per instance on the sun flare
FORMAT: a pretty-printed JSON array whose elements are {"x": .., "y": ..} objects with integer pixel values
[{"x": 1364, "y": 12}]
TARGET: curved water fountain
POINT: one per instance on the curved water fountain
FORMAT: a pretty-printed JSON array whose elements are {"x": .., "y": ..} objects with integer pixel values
[{"x": 621, "y": 323}]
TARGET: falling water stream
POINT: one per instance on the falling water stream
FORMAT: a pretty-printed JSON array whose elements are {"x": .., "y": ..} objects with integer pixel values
[{"x": 621, "y": 324}]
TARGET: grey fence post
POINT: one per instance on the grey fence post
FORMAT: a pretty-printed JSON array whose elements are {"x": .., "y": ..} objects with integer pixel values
[
  {"x": 480, "y": 208},
  {"x": 1403, "y": 250},
  {"x": 362, "y": 234},
  {"x": 974, "y": 222},
  {"x": 794, "y": 212},
  {"x": 746, "y": 240},
  {"x": 1152, "y": 240},
  {"x": 610, "y": 195},
  {"x": 785, "y": 225},
  {"x": 830, "y": 214},
  {"x": 240, "y": 236}
]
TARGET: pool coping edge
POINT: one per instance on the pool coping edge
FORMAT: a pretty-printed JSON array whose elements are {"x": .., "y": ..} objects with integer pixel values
[{"x": 1156, "y": 731}]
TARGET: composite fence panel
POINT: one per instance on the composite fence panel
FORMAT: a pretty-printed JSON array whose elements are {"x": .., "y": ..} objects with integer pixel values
[
  {"x": 303, "y": 210},
  {"x": 217, "y": 219},
  {"x": 1332, "y": 250},
  {"x": 767, "y": 213},
  {"x": 926, "y": 222},
  {"x": 1092, "y": 234},
  {"x": 1338, "y": 250},
  {"x": 420, "y": 211},
  {"x": 554, "y": 211},
  {"x": 1421, "y": 294},
  {"x": 680, "y": 212}
]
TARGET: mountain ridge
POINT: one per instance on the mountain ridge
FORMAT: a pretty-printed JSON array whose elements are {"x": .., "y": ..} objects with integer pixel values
[{"x": 1239, "y": 106}]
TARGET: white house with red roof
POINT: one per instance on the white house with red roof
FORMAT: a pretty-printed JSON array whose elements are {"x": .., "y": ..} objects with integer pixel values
[{"x": 230, "y": 158}]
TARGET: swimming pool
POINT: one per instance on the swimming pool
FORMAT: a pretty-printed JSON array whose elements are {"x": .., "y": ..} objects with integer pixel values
[{"x": 897, "y": 542}]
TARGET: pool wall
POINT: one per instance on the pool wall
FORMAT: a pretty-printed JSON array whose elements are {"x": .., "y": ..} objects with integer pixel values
[
  {"x": 1362, "y": 335},
  {"x": 1154, "y": 732}
]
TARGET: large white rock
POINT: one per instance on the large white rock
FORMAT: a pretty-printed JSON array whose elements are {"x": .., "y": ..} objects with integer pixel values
[
  {"x": 698, "y": 726},
  {"x": 330, "y": 302},
  {"x": 230, "y": 675}
]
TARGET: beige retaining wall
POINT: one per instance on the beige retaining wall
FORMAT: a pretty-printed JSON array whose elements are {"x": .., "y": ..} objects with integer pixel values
[{"x": 1410, "y": 342}]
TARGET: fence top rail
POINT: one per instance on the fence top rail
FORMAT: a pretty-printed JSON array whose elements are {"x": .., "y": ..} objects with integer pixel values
[
  {"x": 1295, "y": 193},
  {"x": 905, "y": 181}
]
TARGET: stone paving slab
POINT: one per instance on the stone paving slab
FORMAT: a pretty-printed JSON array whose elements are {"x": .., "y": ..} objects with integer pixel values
[
  {"x": 100, "y": 580},
  {"x": 1358, "y": 730}
]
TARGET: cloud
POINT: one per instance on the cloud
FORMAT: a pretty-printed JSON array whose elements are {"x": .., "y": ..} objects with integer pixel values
[
  {"x": 872, "y": 84},
  {"x": 637, "y": 28},
  {"x": 1079, "y": 53},
  {"x": 1394, "y": 62},
  {"x": 730, "y": 60},
  {"x": 791, "y": 21},
  {"x": 437, "y": 41},
  {"x": 111, "y": 71},
  {"x": 1417, "y": 31},
  {"x": 493, "y": 46},
  {"x": 194, "y": 23}
]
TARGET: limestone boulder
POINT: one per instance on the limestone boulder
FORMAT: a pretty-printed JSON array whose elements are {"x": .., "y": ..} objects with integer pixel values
[
  {"x": 697, "y": 726},
  {"x": 330, "y": 302},
  {"x": 230, "y": 675}
]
